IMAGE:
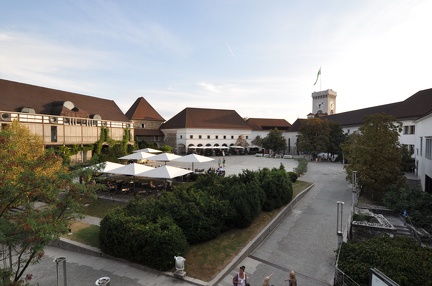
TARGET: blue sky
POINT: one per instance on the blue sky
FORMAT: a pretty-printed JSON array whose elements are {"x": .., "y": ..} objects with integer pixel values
[{"x": 259, "y": 58}]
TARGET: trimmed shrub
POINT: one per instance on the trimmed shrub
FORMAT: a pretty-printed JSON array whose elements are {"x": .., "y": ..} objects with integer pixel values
[
  {"x": 277, "y": 187},
  {"x": 292, "y": 176},
  {"x": 199, "y": 214},
  {"x": 136, "y": 239}
]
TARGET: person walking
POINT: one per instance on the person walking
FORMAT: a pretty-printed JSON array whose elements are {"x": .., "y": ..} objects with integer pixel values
[
  {"x": 223, "y": 162},
  {"x": 292, "y": 280},
  {"x": 266, "y": 281},
  {"x": 240, "y": 278}
]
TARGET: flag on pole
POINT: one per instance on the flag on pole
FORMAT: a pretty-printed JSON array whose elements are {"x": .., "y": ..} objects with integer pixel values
[{"x": 318, "y": 74}]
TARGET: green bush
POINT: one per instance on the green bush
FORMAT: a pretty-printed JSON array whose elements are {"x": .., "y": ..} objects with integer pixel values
[
  {"x": 400, "y": 258},
  {"x": 417, "y": 203},
  {"x": 199, "y": 214},
  {"x": 302, "y": 166},
  {"x": 136, "y": 239},
  {"x": 277, "y": 187},
  {"x": 293, "y": 176},
  {"x": 245, "y": 202}
]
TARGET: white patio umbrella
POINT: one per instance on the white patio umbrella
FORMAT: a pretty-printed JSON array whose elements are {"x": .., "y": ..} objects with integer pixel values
[
  {"x": 131, "y": 170},
  {"x": 164, "y": 157},
  {"x": 104, "y": 167},
  {"x": 149, "y": 150},
  {"x": 137, "y": 156},
  {"x": 164, "y": 172},
  {"x": 193, "y": 158}
]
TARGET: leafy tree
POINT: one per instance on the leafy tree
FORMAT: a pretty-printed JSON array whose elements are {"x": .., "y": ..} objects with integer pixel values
[
  {"x": 257, "y": 141},
  {"x": 375, "y": 153},
  {"x": 274, "y": 141},
  {"x": 314, "y": 136},
  {"x": 336, "y": 138},
  {"x": 38, "y": 199}
]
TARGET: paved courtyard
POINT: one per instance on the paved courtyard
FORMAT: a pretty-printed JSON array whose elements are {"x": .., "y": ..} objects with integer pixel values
[{"x": 304, "y": 241}]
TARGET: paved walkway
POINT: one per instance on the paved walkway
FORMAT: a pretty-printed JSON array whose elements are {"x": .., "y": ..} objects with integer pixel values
[{"x": 304, "y": 241}]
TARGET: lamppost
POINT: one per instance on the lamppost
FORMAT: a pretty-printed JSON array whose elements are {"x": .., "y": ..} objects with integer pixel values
[
  {"x": 354, "y": 188},
  {"x": 339, "y": 226},
  {"x": 57, "y": 261}
]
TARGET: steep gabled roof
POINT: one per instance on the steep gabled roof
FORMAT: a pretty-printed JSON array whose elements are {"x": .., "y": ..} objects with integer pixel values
[
  {"x": 206, "y": 119},
  {"x": 142, "y": 110},
  {"x": 295, "y": 127},
  {"x": 14, "y": 96},
  {"x": 260, "y": 124}
]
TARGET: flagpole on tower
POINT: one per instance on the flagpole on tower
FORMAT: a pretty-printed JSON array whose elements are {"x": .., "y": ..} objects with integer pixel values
[
  {"x": 320, "y": 79},
  {"x": 318, "y": 76}
]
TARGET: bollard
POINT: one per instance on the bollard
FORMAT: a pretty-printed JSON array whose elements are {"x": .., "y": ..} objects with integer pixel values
[{"x": 105, "y": 281}]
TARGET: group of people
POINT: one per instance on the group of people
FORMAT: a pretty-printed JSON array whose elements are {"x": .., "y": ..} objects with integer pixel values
[{"x": 240, "y": 279}]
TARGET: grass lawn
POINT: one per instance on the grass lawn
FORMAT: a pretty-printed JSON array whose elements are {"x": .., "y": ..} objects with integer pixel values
[
  {"x": 85, "y": 233},
  {"x": 100, "y": 207},
  {"x": 205, "y": 260}
]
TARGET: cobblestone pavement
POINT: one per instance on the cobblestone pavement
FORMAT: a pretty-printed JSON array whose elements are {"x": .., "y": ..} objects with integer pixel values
[{"x": 304, "y": 241}]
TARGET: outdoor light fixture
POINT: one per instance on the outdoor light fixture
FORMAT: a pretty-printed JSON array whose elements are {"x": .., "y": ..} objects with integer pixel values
[
  {"x": 105, "y": 281},
  {"x": 179, "y": 265}
]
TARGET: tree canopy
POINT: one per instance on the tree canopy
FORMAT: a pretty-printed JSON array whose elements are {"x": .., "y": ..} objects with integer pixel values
[
  {"x": 274, "y": 141},
  {"x": 38, "y": 198},
  {"x": 375, "y": 153},
  {"x": 314, "y": 136}
]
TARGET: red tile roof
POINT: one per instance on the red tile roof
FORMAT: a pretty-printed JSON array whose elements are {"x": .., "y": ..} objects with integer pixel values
[
  {"x": 206, "y": 119},
  {"x": 142, "y": 110},
  {"x": 259, "y": 124},
  {"x": 14, "y": 96}
]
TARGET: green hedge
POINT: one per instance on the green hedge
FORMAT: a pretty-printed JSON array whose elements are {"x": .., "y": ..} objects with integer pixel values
[
  {"x": 152, "y": 243},
  {"x": 418, "y": 205},
  {"x": 163, "y": 227},
  {"x": 400, "y": 258}
]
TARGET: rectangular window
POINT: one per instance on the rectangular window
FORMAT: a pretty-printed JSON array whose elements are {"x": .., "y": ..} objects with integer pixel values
[
  {"x": 53, "y": 133},
  {"x": 191, "y": 137},
  {"x": 409, "y": 129},
  {"x": 216, "y": 137},
  {"x": 224, "y": 137},
  {"x": 428, "y": 150},
  {"x": 199, "y": 137},
  {"x": 208, "y": 136},
  {"x": 421, "y": 146},
  {"x": 411, "y": 149},
  {"x": 181, "y": 136},
  {"x": 232, "y": 136}
]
